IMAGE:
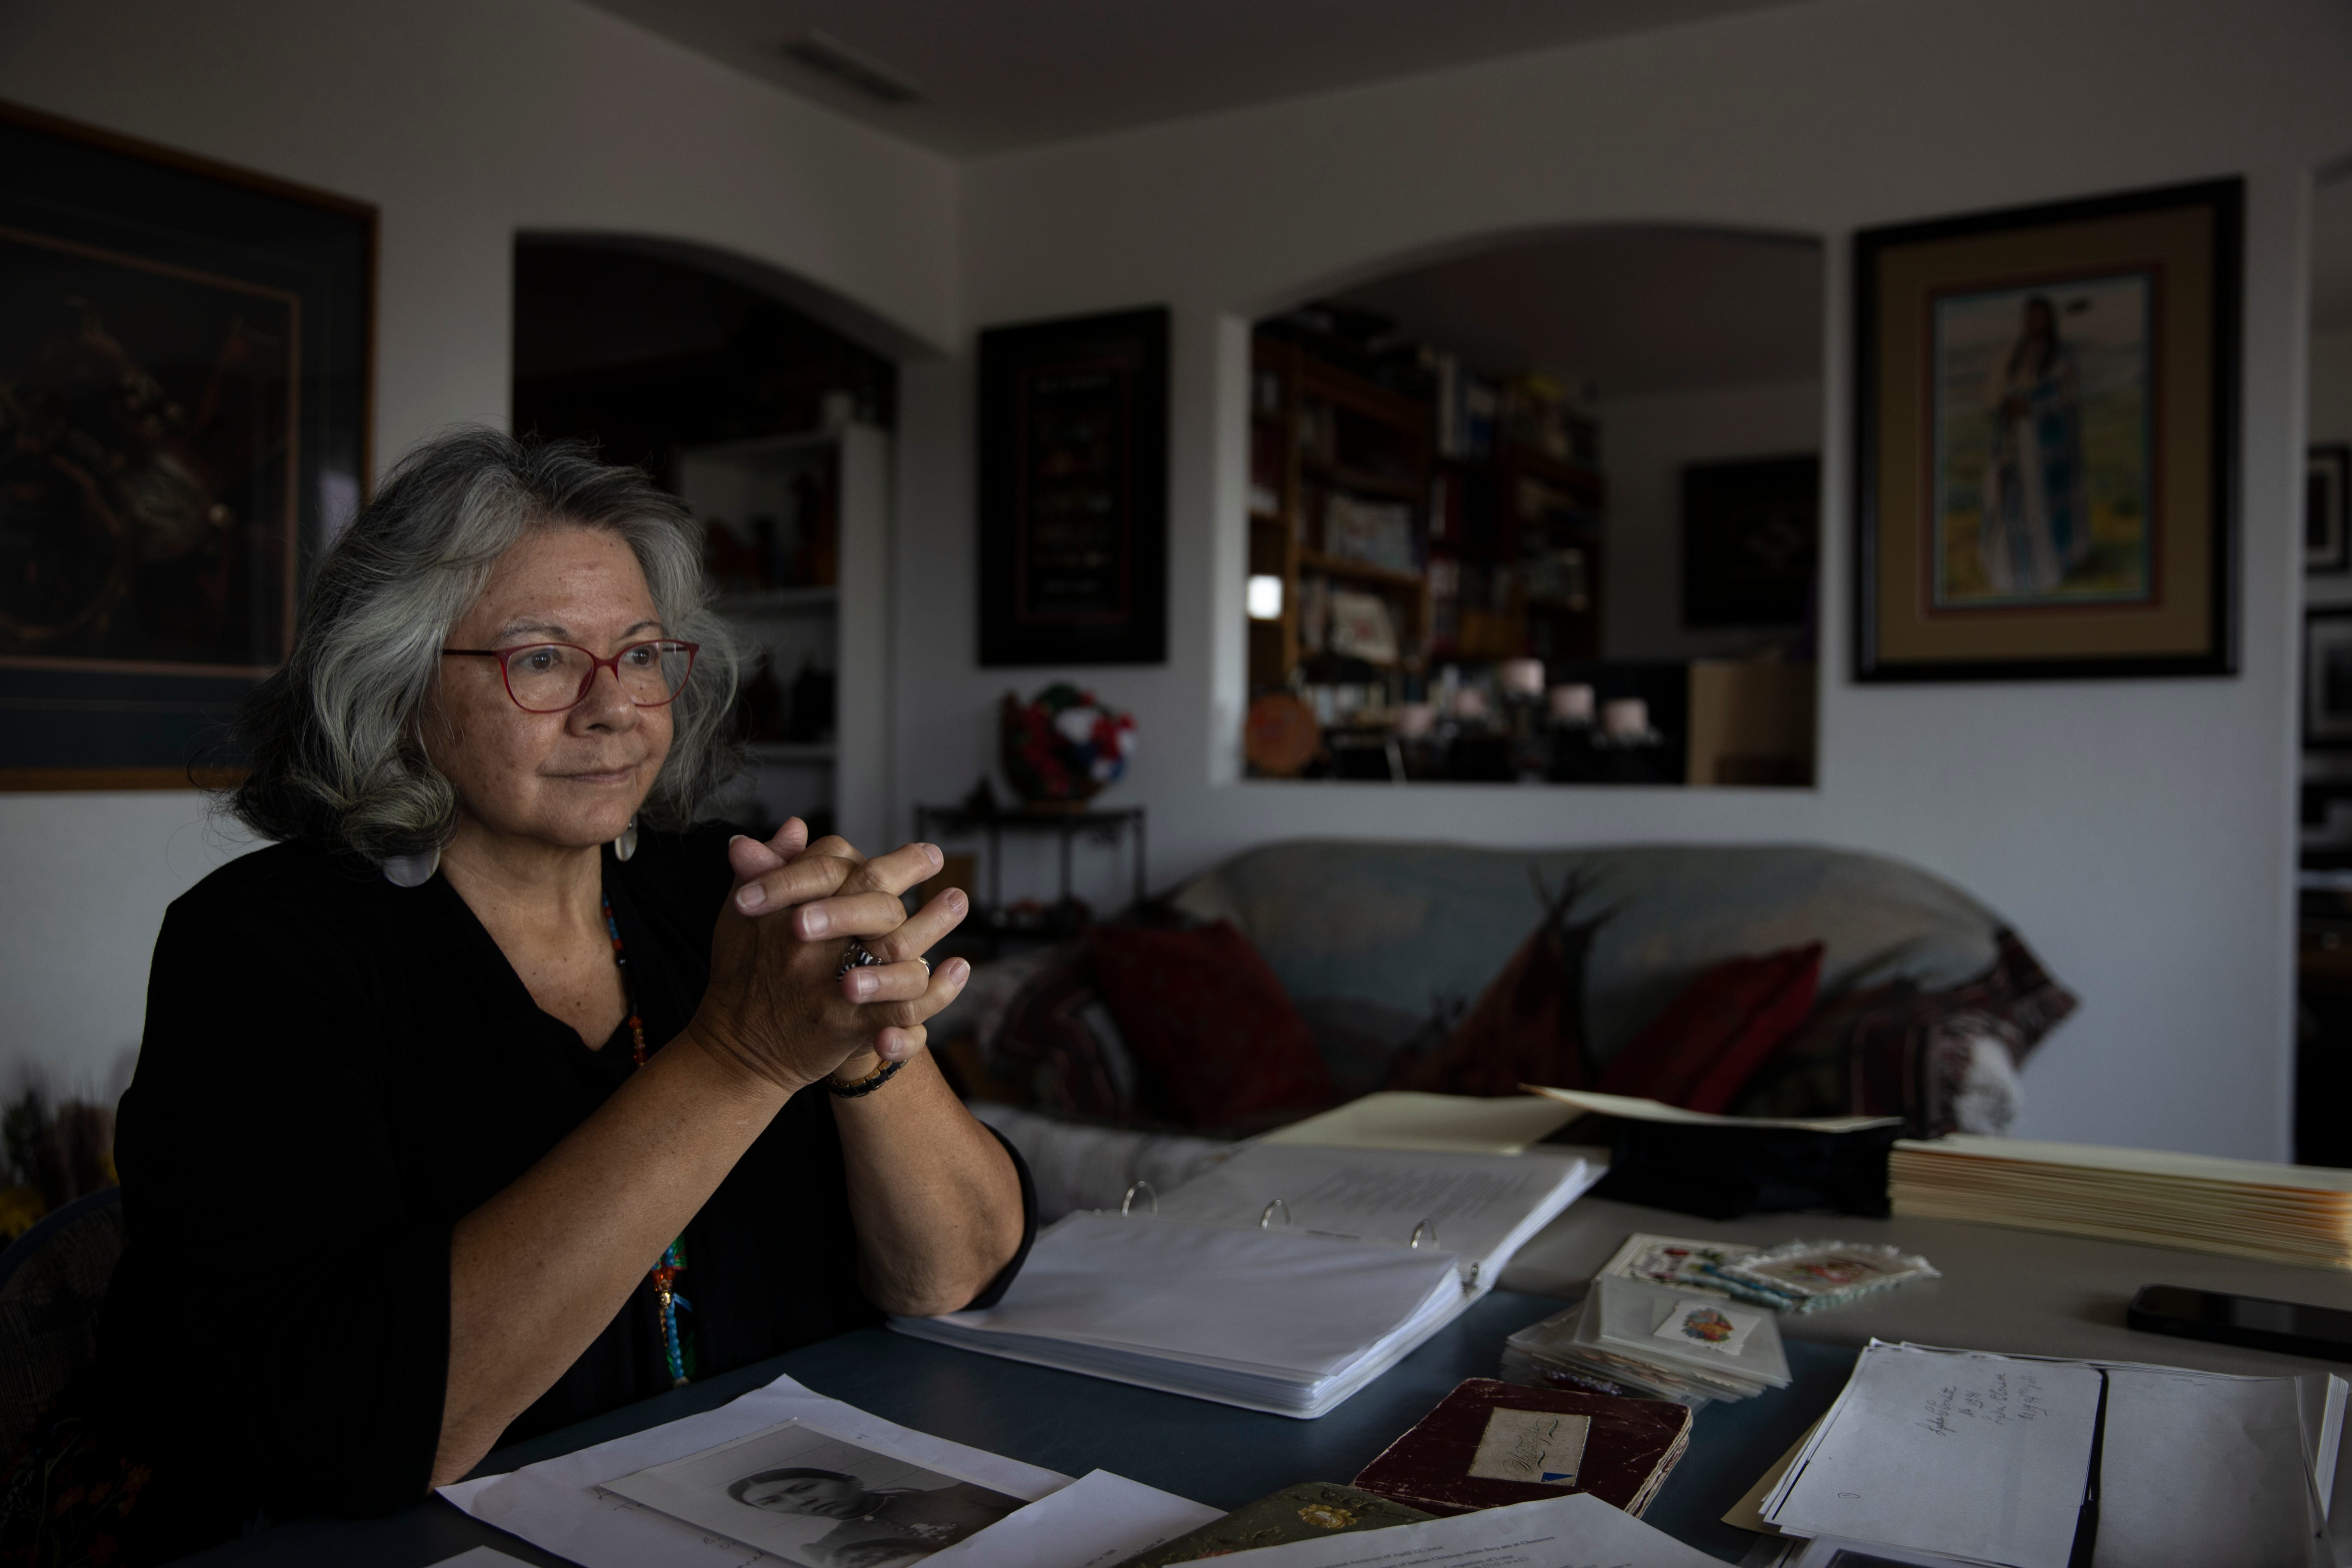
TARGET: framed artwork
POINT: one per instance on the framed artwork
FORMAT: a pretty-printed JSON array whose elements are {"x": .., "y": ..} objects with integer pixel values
[
  {"x": 2327, "y": 547},
  {"x": 2046, "y": 441},
  {"x": 1073, "y": 491},
  {"x": 184, "y": 417},
  {"x": 2327, "y": 679},
  {"x": 1751, "y": 541}
]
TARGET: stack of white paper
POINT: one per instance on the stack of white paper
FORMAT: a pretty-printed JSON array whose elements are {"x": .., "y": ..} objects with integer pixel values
[
  {"x": 1270, "y": 1320},
  {"x": 1284, "y": 1279}
]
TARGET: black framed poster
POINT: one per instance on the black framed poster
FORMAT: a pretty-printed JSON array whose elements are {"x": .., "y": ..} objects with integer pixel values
[
  {"x": 2046, "y": 456},
  {"x": 1073, "y": 491},
  {"x": 186, "y": 350},
  {"x": 1751, "y": 541}
]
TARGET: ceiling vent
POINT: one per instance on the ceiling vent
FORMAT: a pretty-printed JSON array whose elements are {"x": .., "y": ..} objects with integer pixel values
[{"x": 824, "y": 53}]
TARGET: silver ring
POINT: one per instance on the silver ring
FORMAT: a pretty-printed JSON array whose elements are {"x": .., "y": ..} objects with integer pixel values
[{"x": 857, "y": 957}]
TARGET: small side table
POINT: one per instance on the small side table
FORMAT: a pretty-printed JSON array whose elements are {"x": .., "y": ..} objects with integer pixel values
[{"x": 1104, "y": 827}]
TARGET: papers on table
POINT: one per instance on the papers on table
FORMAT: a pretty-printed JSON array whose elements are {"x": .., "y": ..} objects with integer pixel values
[
  {"x": 1979, "y": 1456},
  {"x": 1447, "y": 1123},
  {"x": 556, "y": 1504},
  {"x": 1632, "y": 1108},
  {"x": 1483, "y": 1207},
  {"x": 2004, "y": 1459},
  {"x": 1270, "y": 1319},
  {"x": 1574, "y": 1532},
  {"x": 1097, "y": 1519},
  {"x": 2248, "y": 1208}
]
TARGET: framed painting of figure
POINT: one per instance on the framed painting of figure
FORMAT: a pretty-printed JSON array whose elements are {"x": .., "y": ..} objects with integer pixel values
[
  {"x": 2046, "y": 457},
  {"x": 184, "y": 415}
]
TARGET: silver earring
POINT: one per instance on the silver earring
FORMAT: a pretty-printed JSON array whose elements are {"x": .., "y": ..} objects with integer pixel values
[
  {"x": 626, "y": 844},
  {"x": 411, "y": 871}
]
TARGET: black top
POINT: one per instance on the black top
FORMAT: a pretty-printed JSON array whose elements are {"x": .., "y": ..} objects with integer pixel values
[{"x": 337, "y": 1070}]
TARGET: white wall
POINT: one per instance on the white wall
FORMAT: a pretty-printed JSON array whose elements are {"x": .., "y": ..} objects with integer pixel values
[
  {"x": 2138, "y": 832},
  {"x": 464, "y": 121},
  {"x": 1644, "y": 444}
]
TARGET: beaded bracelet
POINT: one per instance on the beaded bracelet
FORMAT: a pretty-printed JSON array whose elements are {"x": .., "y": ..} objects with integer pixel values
[{"x": 868, "y": 1084}]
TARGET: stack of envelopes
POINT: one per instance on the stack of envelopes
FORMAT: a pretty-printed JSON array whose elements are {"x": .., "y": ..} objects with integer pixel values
[
  {"x": 1654, "y": 1339},
  {"x": 2248, "y": 1208}
]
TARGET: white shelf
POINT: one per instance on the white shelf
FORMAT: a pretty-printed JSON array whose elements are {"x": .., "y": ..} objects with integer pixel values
[
  {"x": 774, "y": 603},
  {"x": 788, "y": 751}
]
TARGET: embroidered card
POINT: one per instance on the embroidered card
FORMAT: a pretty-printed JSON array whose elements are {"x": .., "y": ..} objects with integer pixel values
[{"x": 1541, "y": 1446}]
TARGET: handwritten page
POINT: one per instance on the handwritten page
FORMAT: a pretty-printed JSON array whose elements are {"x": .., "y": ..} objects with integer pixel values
[
  {"x": 1482, "y": 1207},
  {"x": 1097, "y": 1519},
  {"x": 1977, "y": 1456},
  {"x": 1575, "y": 1531},
  {"x": 2199, "y": 1471}
]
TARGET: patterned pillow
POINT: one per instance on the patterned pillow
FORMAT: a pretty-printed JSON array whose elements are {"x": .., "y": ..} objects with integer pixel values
[
  {"x": 1059, "y": 1040},
  {"x": 1897, "y": 1050}
]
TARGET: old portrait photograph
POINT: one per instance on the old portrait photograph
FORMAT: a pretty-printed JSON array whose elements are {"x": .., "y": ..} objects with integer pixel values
[
  {"x": 2043, "y": 446},
  {"x": 818, "y": 1500}
]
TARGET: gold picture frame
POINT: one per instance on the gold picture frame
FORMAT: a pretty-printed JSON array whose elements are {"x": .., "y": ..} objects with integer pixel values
[{"x": 2046, "y": 423}]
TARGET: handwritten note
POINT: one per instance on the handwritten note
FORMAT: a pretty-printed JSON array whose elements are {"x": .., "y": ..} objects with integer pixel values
[{"x": 1975, "y": 1455}]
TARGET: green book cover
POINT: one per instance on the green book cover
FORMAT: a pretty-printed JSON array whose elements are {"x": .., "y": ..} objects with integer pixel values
[{"x": 1304, "y": 1512}]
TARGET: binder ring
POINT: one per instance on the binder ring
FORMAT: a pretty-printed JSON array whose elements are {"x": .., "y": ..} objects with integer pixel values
[
  {"x": 1128, "y": 1201},
  {"x": 1266, "y": 1218},
  {"x": 1423, "y": 1225}
]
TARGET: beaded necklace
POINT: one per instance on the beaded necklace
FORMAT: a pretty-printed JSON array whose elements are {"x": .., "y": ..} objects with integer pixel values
[{"x": 676, "y": 1351}]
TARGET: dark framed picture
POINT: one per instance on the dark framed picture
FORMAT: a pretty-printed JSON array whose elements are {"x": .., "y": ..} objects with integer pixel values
[
  {"x": 186, "y": 353},
  {"x": 2326, "y": 543},
  {"x": 2046, "y": 440},
  {"x": 2327, "y": 679},
  {"x": 1073, "y": 491},
  {"x": 1751, "y": 541}
]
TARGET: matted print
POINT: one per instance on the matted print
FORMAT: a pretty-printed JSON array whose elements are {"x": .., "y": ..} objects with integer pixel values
[{"x": 2046, "y": 469}]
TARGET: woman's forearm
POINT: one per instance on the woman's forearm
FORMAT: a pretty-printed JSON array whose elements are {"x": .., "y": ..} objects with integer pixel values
[
  {"x": 935, "y": 1197},
  {"x": 537, "y": 1272}
]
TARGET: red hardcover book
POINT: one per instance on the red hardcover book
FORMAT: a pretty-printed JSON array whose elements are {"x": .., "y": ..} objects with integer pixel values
[{"x": 1491, "y": 1443}]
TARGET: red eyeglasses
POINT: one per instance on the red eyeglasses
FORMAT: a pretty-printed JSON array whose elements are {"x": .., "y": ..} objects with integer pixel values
[{"x": 554, "y": 676}]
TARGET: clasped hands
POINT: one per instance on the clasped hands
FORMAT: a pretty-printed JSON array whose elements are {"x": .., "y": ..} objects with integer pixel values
[{"x": 778, "y": 1005}]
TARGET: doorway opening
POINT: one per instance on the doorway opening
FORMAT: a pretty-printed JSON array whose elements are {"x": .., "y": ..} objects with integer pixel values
[{"x": 1544, "y": 513}]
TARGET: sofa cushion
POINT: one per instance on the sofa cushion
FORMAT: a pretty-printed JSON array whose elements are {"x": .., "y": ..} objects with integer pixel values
[
  {"x": 1702, "y": 1050},
  {"x": 1900, "y": 1049},
  {"x": 1209, "y": 1024},
  {"x": 1058, "y": 1040},
  {"x": 1408, "y": 932}
]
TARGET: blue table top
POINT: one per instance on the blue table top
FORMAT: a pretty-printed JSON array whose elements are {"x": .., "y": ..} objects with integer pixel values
[{"x": 1211, "y": 1453}]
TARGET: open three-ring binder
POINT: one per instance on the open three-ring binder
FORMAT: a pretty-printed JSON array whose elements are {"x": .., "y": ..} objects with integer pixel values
[{"x": 1284, "y": 1279}]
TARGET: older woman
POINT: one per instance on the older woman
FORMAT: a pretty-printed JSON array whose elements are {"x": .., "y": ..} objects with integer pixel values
[{"x": 494, "y": 1095}]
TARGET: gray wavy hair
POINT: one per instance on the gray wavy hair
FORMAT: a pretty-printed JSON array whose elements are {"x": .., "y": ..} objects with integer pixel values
[{"x": 331, "y": 736}]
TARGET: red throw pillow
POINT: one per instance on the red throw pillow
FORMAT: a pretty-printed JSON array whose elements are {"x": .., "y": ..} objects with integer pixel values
[
  {"x": 1204, "y": 1012},
  {"x": 1701, "y": 1051}
]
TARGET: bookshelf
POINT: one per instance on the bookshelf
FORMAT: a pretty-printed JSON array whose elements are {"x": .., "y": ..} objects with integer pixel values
[
  {"x": 1339, "y": 495},
  {"x": 799, "y": 543}
]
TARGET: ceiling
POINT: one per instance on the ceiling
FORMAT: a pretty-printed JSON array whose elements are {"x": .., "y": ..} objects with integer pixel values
[
  {"x": 999, "y": 74},
  {"x": 1633, "y": 311}
]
